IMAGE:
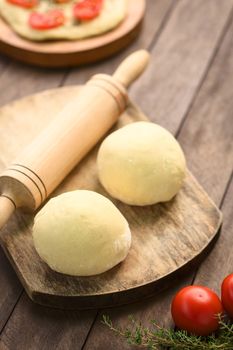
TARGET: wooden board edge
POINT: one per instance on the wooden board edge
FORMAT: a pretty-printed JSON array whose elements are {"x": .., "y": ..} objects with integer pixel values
[
  {"x": 116, "y": 298},
  {"x": 64, "y": 60},
  {"x": 127, "y": 297},
  {"x": 119, "y": 298}
]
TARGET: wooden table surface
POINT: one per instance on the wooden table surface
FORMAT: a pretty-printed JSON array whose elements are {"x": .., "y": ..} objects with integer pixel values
[{"x": 188, "y": 88}]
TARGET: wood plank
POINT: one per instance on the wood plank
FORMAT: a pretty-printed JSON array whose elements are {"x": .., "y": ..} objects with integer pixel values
[
  {"x": 207, "y": 134},
  {"x": 18, "y": 80},
  {"x": 219, "y": 87},
  {"x": 41, "y": 79},
  {"x": 219, "y": 263},
  {"x": 220, "y": 142},
  {"x": 156, "y": 15},
  {"x": 35, "y": 327},
  {"x": 180, "y": 60},
  {"x": 10, "y": 289}
]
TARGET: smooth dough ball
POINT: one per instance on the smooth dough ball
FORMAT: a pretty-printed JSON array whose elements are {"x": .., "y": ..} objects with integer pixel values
[
  {"x": 81, "y": 233},
  {"x": 141, "y": 164}
]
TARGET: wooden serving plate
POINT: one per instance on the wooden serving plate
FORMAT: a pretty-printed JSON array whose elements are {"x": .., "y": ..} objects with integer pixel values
[
  {"x": 167, "y": 238},
  {"x": 73, "y": 53}
]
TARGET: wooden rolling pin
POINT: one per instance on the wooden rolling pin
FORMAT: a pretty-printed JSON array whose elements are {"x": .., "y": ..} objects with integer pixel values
[{"x": 68, "y": 138}]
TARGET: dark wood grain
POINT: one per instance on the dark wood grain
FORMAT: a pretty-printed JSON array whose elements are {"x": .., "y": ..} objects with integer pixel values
[
  {"x": 48, "y": 329},
  {"x": 73, "y": 53},
  {"x": 180, "y": 59},
  {"x": 11, "y": 287},
  {"x": 220, "y": 262},
  {"x": 207, "y": 134},
  {"x": 166, "y": 237}
]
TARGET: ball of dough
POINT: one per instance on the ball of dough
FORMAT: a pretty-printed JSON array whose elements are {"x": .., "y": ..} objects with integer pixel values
[
  {"x": 81, "y": 233},
  {"x": 141, "y": 164}
]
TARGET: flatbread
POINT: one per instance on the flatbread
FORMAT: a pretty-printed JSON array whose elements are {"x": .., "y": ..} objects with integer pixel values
[{"x": 112, "y": 13}]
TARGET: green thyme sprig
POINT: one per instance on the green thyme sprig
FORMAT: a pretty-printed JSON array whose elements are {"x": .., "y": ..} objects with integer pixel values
[{"x": 157, "y": 338}]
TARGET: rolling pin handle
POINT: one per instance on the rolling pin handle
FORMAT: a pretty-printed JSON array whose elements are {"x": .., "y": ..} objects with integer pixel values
[
  {"x": 132, "y": 67},
  {"x": 7, "y": 208}
]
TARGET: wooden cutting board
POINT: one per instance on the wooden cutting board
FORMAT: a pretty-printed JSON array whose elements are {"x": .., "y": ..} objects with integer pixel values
[
  {"x": 56, "y": 54},
  {"x": 168, "y": 238}
]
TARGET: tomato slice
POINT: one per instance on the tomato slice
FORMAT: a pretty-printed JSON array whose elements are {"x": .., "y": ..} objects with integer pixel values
[
  {"x": 28, "y": 4},
  {"x": 87, "y": 9},
  {"x": 47, "y": 20},
  {"x": 61, "y": 1}
]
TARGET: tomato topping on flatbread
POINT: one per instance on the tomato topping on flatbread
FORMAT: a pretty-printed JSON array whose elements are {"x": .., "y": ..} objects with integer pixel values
[
  {"x": 61, "y": 1},
  {"x": 87, "y": 9},
  {"x": 62, "y": 19},
  {"x": 24, "y": 3},
  {"x": 47, "y": 20}
]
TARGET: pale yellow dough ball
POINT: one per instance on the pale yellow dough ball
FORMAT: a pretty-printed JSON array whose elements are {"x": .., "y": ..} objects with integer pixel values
[
  {"x": 81, "y": 233},
  {"x": 141, "y": 164}
]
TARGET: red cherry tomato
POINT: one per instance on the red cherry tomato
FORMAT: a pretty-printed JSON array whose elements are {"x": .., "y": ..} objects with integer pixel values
[
  {"x": 28, "y": 4},
  {"x": 87, "y": 9},
  {"x": 196, "y": 309},
  {"x": 227, "y": 295},
  {"x": 48, "y": 20}
]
